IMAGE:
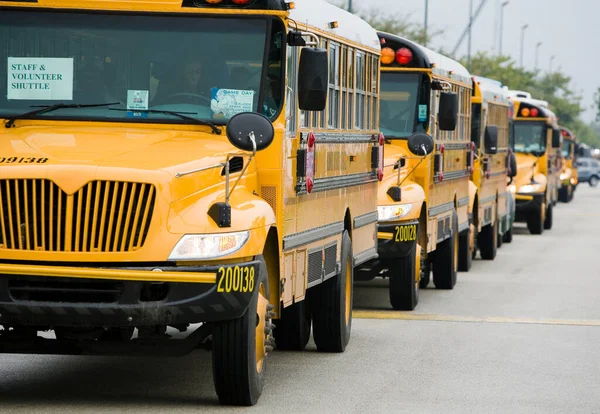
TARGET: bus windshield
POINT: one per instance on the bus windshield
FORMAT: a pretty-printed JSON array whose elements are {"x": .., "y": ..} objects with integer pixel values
[
  {"x": 530, "y": 137},
  {"x": 208, "y": 68},
  {"x": 566, "y": 148},
  {"x": 399, "y": 104}
]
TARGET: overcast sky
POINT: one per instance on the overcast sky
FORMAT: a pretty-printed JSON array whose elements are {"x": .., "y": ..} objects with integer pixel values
[{"x": 568, "y": 29}]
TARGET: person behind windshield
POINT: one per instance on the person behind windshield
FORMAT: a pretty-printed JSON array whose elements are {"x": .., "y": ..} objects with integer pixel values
[{"x": 184, "y": 86}]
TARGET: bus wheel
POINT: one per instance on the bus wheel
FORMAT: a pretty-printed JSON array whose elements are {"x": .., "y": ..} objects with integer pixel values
[
  {"x": 488, "y": 241},
  {"x": 445, "y": 262},
  {"x": 292, "y": 331},
  {"x": 548, "y": 221},
  {"x": 465, "y": 250},
  {"x": 240, "y": 347},
  {"x": 507, "y": 237},
  {"x": 404, "y": 283},
  {"x": 535, "y": 220},
  {"x": 331, "y": 305},
  {"x": 563, "y": 194}
]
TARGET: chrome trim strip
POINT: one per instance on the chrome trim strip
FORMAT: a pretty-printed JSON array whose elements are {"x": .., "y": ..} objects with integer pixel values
[
  {"x": 452, "y": 175},
  {"x": 487, "y": 199},
  {"x": 340, "y": 181},
  {"x": 365, "y": 219},
  {"x": 435, "y": 211},
  {"x": 365, "y": 256},
  {"x": 310, "y": 236},
  {"x": 463, "y": 201}
]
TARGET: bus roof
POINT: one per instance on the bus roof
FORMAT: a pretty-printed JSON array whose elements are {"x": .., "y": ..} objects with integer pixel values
[
  {"x": 567, "y": 133},
  {"x": 491, "y": 89},
  {"x": 319, "y": 14},
  {"x": 425, "y": 58}
]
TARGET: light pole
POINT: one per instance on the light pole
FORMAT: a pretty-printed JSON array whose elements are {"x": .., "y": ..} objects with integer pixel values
[
  {"x": 523, "y": 28},
  {"x": 501, "y": 26},
  {"x": 469, "y": 39},
  {"x": 537, "y": 47},
  {"x": 425, "y": 25},
  {"x": 551, "y": 59}
]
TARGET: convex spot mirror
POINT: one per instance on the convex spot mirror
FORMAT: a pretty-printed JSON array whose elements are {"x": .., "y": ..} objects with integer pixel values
[
  {"x": 241, "y": 126},
  {"x": 512, "y": 165},
  {"x": 448, "y": 111},
  {"x": 420, "y": 144},
  {"x": 491, "y": 139},
  {"x": 313, "y": 79},
  {"x": 556, "y": 138}
]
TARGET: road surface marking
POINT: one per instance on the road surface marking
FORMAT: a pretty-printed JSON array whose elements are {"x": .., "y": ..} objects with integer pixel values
[{"x": 388, "y": 314}]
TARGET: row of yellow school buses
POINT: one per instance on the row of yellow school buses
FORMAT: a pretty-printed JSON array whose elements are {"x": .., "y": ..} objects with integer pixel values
[{"x": 373, "y": 157}]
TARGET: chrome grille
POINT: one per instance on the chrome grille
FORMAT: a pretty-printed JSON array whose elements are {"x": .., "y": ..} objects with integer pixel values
[{"x": 102, "y": 216}]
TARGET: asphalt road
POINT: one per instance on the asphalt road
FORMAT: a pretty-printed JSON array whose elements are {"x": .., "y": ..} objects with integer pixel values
[{"x": 520, "y": 334}]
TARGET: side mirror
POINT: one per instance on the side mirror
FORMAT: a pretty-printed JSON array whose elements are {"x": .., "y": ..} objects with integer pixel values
[
  {"x": 246, "y": 127},
  {"x": 313, "y": 79},
  {"x": 556, "y": 138},
  {"x": 448, "y": 111},
  {"x": 491, "y": 139},
  {"x": 420, "y": 144},
  {"x": 512, "y": 164}
]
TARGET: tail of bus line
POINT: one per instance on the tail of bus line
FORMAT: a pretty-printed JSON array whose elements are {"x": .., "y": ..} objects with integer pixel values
[
  {"x": 568, "y": 172},
  {"x": 423, "y": 198},
  {"x": 158, "y": 195}
]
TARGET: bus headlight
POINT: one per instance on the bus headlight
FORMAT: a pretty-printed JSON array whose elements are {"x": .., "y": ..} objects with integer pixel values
[
  {"x": 388, "y": 213},
  {"x": 531, "y": 188},
  {"x": 564, "y": 176},
  {"x": 512, "y": 188},
  {"x": 208, "y": 246}
]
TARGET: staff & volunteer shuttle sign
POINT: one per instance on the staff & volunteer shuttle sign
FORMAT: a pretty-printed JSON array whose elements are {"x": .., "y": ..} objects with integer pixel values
[{"x": 40, "y": 78}]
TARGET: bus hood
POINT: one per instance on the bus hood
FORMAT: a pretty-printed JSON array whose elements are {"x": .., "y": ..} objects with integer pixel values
[
  {"x": 115, "y": 147},
  {"x": 78, "y": 154},
  {"x": 527, "y": 169}
]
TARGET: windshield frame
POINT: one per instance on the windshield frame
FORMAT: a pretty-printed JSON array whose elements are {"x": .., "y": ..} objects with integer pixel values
[
  {"x": 270, "y": 23},
  {"x": 423, "y": 98},
  {"x": 543, "y": 137}
]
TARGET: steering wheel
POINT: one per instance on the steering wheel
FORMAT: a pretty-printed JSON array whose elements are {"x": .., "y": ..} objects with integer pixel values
[
  {"x": 396, "y": 117},
  {"x": 189, "y": 96}
]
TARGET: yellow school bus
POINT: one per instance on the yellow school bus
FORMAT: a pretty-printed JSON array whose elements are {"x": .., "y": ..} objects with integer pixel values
[
  {"x": 488, "y": 197},
  {"x": 424, "y": 195},
  {"x": 203, "y": 166},
  {"x": 568, "y": 172},
  {"x": 535, "y": 139}
]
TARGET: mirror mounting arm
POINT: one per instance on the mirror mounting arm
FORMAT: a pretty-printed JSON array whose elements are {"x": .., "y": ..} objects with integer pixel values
[{"x": 227, "y": 192}]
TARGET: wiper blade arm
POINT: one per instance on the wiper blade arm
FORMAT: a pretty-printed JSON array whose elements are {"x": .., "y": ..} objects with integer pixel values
[
  {"x": 44, "y": 109},
  {"x": 181, "y": 115}
]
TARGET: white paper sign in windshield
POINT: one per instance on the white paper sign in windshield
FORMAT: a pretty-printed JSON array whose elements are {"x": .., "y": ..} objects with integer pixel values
[
  {"x": 228, "y": 102},
  {"x": 40, "y": 79}
]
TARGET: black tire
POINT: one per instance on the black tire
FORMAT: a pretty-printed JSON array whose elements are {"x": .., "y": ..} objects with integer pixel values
[
  {"x": 593, "y": 181},
  {"x": 292, "y": 330},
  {"x": 488, "y": 241},
  {"x": 404, "y": 289},
  {"x": 563, "y": 194},
  {"x": 331, "y": 305},
  {"x": 508, "y": 236},
  {"x": 499, "y": 239},
  {"x": 548, "y": 221},
  {"x": 238, "y": 376},
  {"x": 445, "y": 260},
  {"x": 535, "y": 220},
  {"x": 425, "y": 275},
  {"x": 465, "y": 254}
]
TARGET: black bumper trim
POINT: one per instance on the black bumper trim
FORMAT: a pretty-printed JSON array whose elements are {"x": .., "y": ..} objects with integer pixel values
[{"x": 183, "y": 303}]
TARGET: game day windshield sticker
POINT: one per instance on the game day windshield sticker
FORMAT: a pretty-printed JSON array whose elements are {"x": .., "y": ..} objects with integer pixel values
[
  {"x": 228, "y": 102},
  {"x": 40, "y": 78}
]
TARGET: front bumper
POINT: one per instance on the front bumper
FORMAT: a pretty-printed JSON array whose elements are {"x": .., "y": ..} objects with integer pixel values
[
  {"x": 397, "y": 240},
  {"x": 526, "y": 204},
  {"x": 50, "y": 296}
]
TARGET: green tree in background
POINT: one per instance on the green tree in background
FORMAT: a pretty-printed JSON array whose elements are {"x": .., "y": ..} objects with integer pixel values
[{"x": 553, "y": 87}]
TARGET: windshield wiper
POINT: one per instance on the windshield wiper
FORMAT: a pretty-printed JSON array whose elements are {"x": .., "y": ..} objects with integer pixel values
[
  {"x": 181, "y": 115},
  {"x": 44, "y": 109}
]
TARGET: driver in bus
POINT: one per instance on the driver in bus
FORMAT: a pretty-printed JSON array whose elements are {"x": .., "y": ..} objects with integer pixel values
[{"x": 185, "y": 86}]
